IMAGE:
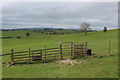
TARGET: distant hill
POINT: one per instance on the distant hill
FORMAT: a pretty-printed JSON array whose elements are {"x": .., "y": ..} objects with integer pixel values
[{"x": 4, "y": 29}]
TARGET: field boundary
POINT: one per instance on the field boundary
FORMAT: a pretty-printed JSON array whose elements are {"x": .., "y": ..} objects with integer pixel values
[{"x": 66, "y": 49}]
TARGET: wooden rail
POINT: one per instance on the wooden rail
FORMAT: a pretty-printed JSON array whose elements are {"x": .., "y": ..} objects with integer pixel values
[
  {"x": 65, "y": 48},
  {"x": 35, "y": 55}
]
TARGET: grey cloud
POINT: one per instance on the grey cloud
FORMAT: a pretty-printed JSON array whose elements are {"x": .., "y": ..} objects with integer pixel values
[{"x": 34, "y": 14}]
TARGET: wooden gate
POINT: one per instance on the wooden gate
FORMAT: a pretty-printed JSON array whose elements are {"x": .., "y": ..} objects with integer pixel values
[
  {"x": 67, "y": 49},
  {"x": 80, "y": 49},
  {"x": 73, "y": 50}
]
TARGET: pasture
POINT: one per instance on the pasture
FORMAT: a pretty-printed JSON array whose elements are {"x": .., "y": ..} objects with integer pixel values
[{"x": 99, "y": 67}]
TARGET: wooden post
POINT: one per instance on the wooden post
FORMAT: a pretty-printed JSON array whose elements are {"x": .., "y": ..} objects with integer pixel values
[
  {"x": 45, "y": 53},
  {"x": 73, "y": 47},
  {"x": 41, "y": 54},
  {"x": 81, "y": 49},
  {"x": 109, "y": 46},
  {"x": 32, "y": 56},
  {"x": 29, "y": 55},
  {"x": 60, "y": 44},
  {"x": 12, "y": 56},
  {"x": 85, "y": 48}
]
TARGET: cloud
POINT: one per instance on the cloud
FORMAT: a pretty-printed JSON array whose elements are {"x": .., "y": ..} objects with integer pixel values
[{"x": 64, "y": 14}]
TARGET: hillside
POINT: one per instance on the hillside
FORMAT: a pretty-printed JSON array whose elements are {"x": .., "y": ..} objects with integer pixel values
[{"x": 105, "y": 67}]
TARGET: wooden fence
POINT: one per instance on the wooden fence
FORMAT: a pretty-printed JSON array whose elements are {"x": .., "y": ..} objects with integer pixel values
[
  {"x": 65, "y": 50},
  {"x": 35, "y": 55},
  {"x": 74, "y": 49}
]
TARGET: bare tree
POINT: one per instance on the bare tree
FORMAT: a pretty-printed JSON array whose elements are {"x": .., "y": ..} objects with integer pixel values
[{"x": 85, "y": 26}]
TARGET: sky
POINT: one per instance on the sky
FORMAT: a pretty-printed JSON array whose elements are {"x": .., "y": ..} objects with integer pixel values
[{"x": 59, "y": 14}]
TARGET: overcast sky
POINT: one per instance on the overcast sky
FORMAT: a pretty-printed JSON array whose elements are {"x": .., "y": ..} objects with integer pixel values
[{"x": 59, "y": 15}]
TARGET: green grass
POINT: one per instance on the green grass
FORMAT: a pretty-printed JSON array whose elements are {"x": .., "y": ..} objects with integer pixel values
[{"x": 106, "y": 67}]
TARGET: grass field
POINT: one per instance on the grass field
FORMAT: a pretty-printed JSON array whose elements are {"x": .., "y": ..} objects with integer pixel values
[{"x": 105, "y": 67}]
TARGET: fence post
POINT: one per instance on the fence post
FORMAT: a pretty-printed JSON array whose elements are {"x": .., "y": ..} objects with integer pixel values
[
  {"x": 81, "y": 49},
  {"x": 73, "y": 47},
  {"x": 85, "y": 48},
  {"x": 71, "y": 50},
  {"x": 60, "y": 44},
  {"x": 32, "y": 56},
  {"x": 12, "y": 56},
  {"x": 29, "y": 54},
  {"x": 41, "y": 54},
  {"x": 45, "y": 53},
  {"x": 109, "y": 46}
]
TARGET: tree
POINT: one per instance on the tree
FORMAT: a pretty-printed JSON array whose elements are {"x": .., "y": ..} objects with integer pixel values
[
  {"x": 105, "y": 29},
  {"x": 85, "y": 27},
  {"x": 27, "y": 34}
]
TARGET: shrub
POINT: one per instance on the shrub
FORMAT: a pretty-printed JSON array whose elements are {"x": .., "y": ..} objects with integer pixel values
[
  {"x": 27, "y": 34},
  {"x": 51, "y": 33},
  {"x": 42, "y": 32},
  {"x": 18, "y": 37},
  {"x": 105, "y": 29}
]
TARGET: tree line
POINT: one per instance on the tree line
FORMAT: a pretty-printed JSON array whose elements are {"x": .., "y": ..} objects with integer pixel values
[{"x": 86, "y": 27}]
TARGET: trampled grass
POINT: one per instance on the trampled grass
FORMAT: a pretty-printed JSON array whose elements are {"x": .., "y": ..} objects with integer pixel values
[{"x": 106, "y": 67}]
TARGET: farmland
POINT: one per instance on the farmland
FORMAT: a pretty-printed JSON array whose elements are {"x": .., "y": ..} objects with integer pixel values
[{"x": 99, "y": 67}]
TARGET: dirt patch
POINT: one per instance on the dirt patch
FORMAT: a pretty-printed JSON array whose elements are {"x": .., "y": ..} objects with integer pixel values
[{"x": 69, "y": 62}]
